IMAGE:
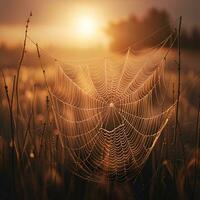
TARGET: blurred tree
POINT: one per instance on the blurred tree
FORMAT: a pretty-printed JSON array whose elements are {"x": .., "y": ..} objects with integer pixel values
[
  {"x": 133, "y": 31},
  {"x": 153, "y": 28},
  {"x": 185, "y": 38},
  {"x": 195, "y": 38}
]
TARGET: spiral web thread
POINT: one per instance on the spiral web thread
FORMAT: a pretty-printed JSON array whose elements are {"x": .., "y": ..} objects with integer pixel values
[{"x": 110, "y": 112}]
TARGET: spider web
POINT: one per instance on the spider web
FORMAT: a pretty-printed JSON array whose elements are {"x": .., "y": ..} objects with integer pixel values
[{"x": 110, "y": 112}]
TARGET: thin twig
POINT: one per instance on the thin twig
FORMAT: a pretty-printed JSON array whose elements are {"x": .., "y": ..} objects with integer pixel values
[
  {"x": 178, "y": 93},
  {"x": 18, "y": 71}
]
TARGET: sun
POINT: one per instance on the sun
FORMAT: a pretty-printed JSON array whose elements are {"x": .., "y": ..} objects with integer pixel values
[{"x": 86, "y": 26}]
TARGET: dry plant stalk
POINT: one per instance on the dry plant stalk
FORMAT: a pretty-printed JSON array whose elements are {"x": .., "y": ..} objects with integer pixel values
[
  {"x": 12, "y": 129},
  {"x": 178, "y": 94}
]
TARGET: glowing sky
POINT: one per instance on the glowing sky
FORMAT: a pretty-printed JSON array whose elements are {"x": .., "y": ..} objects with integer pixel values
[{"x": 52, "y": 21}]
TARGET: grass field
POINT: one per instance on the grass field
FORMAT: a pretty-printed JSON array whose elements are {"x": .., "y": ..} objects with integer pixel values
[{"x": 37, "y": 167}]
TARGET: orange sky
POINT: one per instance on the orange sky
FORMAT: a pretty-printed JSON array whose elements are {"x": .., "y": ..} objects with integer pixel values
[{"x": 52, "y": 21}]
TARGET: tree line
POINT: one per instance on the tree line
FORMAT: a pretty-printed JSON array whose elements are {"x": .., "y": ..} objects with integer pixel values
[{"x": 153, "y": 28}]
